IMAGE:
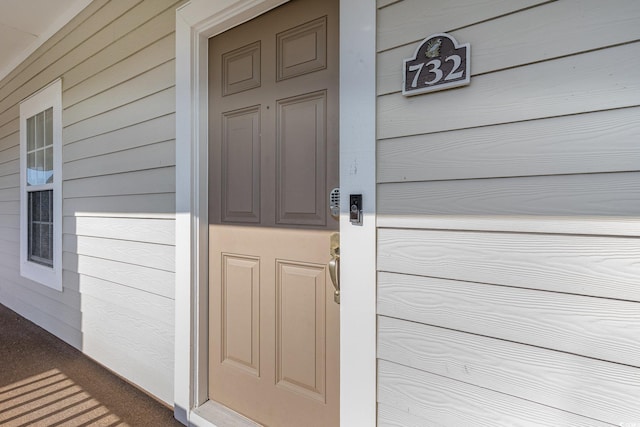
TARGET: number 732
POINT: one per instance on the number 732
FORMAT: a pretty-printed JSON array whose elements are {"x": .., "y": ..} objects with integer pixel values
[{"x": 433, "y": 67}]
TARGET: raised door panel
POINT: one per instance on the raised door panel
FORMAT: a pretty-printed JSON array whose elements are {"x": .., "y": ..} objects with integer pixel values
[
  {"x": 240, "y": 312},
  {"x": 302, "y": 49},
  {"x": 300, "y": 339},
  {"x": 241, "y": 69},
  {"x": 301, "y": 160},
  {"x": 241, "y": 165}
]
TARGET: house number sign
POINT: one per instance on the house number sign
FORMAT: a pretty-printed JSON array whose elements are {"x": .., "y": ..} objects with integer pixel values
[{"x": 439, "y": 63}]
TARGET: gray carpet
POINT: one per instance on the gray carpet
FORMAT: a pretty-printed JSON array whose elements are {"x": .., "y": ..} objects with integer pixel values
[{"x": 46, "y": 382}]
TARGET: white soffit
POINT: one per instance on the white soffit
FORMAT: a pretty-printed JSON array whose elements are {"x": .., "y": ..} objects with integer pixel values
[{"x": 26, "y": 24}]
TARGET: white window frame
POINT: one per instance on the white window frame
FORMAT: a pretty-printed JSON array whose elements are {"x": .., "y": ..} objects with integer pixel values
[{"x": 48, "y": 97}]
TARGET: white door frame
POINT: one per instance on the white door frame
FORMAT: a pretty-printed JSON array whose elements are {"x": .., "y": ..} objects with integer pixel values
[{"x": 196, "y": 22}]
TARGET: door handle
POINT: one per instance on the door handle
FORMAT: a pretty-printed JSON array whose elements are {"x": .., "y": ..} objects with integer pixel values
[{"x": 334, "y": 265}]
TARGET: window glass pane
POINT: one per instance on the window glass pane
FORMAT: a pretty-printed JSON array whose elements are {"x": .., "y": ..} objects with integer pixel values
[
  {"x": 31, "y": 133},
  {"x": 31, "y": 167},
  {"x": 48, "y": 165},
  {"x": 48, "y": 127},
  {"x": 34, "y": 206},
  {"x": 50, "y": 245},
  {"x": 42, "y": 205},
  {"x": 39, "y": 167},
  {"x": 34, "y": 238},
  {"x": 40, "y": 227},
  {"x": 46, "y": 206},
  {"x": 45, "y": 242},
  {"x": 40, "y": 148},
  {"x": 39, "y": 134}
]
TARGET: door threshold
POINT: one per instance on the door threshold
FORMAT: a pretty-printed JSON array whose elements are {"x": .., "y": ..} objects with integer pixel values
[{"x": 213, "y": 414}]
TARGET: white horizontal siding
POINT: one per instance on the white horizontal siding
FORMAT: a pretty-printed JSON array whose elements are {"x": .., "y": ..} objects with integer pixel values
[
  {"x": 9, "y": 181},
  {"x": 8, "y": 247},
  {"x": 129, "y": 68},
  {"x": 9, "y": 167},
  {"x": 585, "y": 143},
  {"x": 612, "y": 194},
  {"x": 568, "y": 382},
  {"x": 152, "y": 81},
  {"x": 160, "y": 180},
  {"x": 584, "y": 265},
  {"x": 406, "y": 21},
  {"x": 10, "y": 194},
  {"x": 9, "y": 141},
  {"x": 383, "y": 3},
  {"x": 116, "y": 60},
  {"x": 388, "y": 416},
  {"x": 446, "y": 402},
  {"x": 508, "y": 217},
  {"x": 144, "y": 279},
  {"x": 8, "y": 207},
  {"x": 158, "y": 231},
  {"x": 11, "y": 126},
  {"x": 144, "y": 34},
  {"x": 561, "y": 28},
  {"x": 604, "y": 226},
  {"x": 140, "y": 134},
  {"x": 522, "y": 93},
  {"x": 157, "y": 308},
  {"x": 10, "y": 154},
  {"x": 144, "y": 109},
  {"x": 10, "y": 234},
  {"x": 144, "y": 354},
  {"x": 594, "y": 327},
  {"x": 159, "y": 205},
  {"x": 160, "y": 257},
  {"x": 146, "y": 157}
]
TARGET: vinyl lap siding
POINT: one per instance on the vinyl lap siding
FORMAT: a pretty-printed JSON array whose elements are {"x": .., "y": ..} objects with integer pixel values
[
  {"x": 116, "y": 60},
  {"x": 508, "y": 218}
]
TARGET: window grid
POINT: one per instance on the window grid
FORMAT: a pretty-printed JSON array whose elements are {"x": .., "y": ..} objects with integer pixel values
[
  {"x": 40, "y": 201},
  {"x": 40, "y": 148},
  {"x": 41, "y": 227}
]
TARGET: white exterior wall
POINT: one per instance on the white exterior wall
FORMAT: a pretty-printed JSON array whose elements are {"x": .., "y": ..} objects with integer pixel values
[
  {"x": 508, "y": 217},
  {"x": 116, "y": 60}
]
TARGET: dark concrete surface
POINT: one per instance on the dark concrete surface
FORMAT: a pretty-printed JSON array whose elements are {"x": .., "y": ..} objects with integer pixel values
[{"x": 46, "y": 382}]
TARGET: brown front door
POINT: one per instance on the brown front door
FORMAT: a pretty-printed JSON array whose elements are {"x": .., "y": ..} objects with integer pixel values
[{"x": 273, "y": 120}]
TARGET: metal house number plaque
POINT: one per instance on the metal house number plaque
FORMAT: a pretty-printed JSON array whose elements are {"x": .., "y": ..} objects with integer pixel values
[{"x": 439, "y": 63}]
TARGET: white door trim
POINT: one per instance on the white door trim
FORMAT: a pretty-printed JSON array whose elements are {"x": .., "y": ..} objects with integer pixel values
[{"x": 196, "y": 22}]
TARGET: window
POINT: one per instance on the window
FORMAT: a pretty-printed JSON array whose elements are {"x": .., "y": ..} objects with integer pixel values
[{"x": 41, "y": 186}]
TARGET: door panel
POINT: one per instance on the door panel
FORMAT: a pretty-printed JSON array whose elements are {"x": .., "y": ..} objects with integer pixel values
[
  {"x": 301, "y": 165},
  {"x": 241, "y": 165},
  {"x": 289, "y": 374},
  {"x": 241, "y": 69},
  {"x": 300, "y": 327},
  {"x": 240, "y": 312},
  {"x": 302, "y": 49},
  {"x": 273, "y": 120}
]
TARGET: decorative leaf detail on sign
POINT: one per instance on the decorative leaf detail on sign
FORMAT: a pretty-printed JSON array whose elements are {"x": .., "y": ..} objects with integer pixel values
[{"x": 433, "y": 48}]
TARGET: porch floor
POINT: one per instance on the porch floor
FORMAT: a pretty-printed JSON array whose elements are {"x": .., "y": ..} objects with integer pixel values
[{"x": 46, "y": 382}]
